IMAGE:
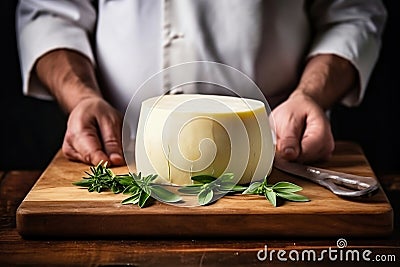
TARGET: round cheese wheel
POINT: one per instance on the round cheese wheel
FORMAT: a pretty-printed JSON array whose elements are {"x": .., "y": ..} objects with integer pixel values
[{"x": 180, "y": 136}]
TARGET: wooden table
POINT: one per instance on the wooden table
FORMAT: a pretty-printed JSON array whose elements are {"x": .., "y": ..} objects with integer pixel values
[{"x": 14, "y": 250}]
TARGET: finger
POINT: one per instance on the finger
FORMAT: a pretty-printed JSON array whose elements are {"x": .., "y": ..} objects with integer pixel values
[
  {"x": 289, "y": 133},
  {"x": 87, "y": 147},
  {"x": 317, "y": 142},
  {"x": 70, "y": 153},
  {"x": 112, "y": 140}
]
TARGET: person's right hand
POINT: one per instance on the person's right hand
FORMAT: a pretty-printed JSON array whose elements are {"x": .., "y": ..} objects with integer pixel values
[
  {"x": 94, "y": 127},
  {"x": 94, "y": 133}
]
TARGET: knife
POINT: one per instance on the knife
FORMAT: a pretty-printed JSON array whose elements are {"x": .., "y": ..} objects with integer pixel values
[{"x": 342, "y": 184}]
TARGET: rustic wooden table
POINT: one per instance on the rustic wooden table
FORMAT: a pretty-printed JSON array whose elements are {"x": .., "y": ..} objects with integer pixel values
[{"x": 14, "y": 250}]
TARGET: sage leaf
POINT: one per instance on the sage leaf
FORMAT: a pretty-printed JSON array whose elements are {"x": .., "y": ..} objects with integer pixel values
[
  {"x": 226, "y": 177},
  {"x": 126, "y": 180},
  {"x": 143, "y": 198},
  {"x": 292, "y": 197},
  {"x": 146, "y": 189},
  {"x": 205, "y": 196},
  {"x": 271, "y": 196},
  {"x": 238, "y": 188},
  {"x": 131, "y": 200},
  {"x": 150, "y": 178},
  {"x": 203, "y": 179},
  {"x": 164, "y": 194},
  {"x": 224, "y": 183},
  {"x": 286, "y": 187},
  {"x": 253, "y": 188}
]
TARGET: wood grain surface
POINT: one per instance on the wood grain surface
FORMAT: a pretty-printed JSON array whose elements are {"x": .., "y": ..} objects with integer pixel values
[{"x": 56, "y": 208}]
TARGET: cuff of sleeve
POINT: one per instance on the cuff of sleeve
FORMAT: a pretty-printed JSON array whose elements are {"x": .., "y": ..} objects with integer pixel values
[
  {"x": 42, "y": 36},
  {"x": 361, "y": 49}
]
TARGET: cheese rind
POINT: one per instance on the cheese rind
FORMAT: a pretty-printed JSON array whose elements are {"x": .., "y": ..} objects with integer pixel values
[{"x": 180, "y": 136}]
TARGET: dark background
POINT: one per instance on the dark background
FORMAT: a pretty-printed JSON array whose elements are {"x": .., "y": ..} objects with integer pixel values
[{"x": 31, "y": 130}]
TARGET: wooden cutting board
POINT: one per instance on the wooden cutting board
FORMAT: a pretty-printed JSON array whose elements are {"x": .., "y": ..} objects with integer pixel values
[{"x": 56, "y": 208}]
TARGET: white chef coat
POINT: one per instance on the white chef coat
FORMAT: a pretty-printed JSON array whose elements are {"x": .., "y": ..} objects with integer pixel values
[{"x": 269, "y": 41}]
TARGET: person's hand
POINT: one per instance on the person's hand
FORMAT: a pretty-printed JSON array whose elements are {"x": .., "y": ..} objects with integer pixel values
[
  {"x": 94, "y": 133},
  {"x": 302, "y": 127},
  {"x": 303, "y": 130},
  {"x": 94, "y": 127}
]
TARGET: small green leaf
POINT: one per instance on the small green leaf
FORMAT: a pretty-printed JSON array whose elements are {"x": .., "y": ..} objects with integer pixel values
[
  {"x": 292, "y": 197},
  {"x": 83, "y": 183},
  {"x": 145, "y": 188},
  {"x": 125, "y": 180},
  {"x": 253, "y": 188},
  {"x": 131, "y": 200},
  {"x": 239, "y": 188},
  {"x": 271, "y": 196},
  {"x": 149, "y": 178},
  {"x": 133, "y": 190},
  {"x": 143, "y": 198},
  {"x": 203, "y": 179},
  {"x": 286, "y": 187},
  {"x": 137, "y": 177},
  {"x": 115, "y": 189},
  {"x": 109, "y": 173},
  {"x": 205, "y": 196},
  {"x": 164, "y": 194},
  {"x": 225, "y": 178}
]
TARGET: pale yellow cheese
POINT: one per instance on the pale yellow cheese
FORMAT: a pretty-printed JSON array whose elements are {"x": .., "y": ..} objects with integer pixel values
[{"x": 184, "y": 135}]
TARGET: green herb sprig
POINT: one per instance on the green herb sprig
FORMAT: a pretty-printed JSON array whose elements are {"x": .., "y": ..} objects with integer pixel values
[
  {"x": 284, "y": 190},
  {"x": 100, "y": 179},
  {"x": 139, "y": 188},
  {"x": 206, "y": 187}
]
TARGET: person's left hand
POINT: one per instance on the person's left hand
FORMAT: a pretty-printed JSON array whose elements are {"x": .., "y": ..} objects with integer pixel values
[{"x": 303, "y": 130}]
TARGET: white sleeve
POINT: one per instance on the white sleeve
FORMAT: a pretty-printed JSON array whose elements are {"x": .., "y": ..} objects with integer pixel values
[
  {"x": 351, "y": 29},
  {"x": 45, "y": 25}
]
